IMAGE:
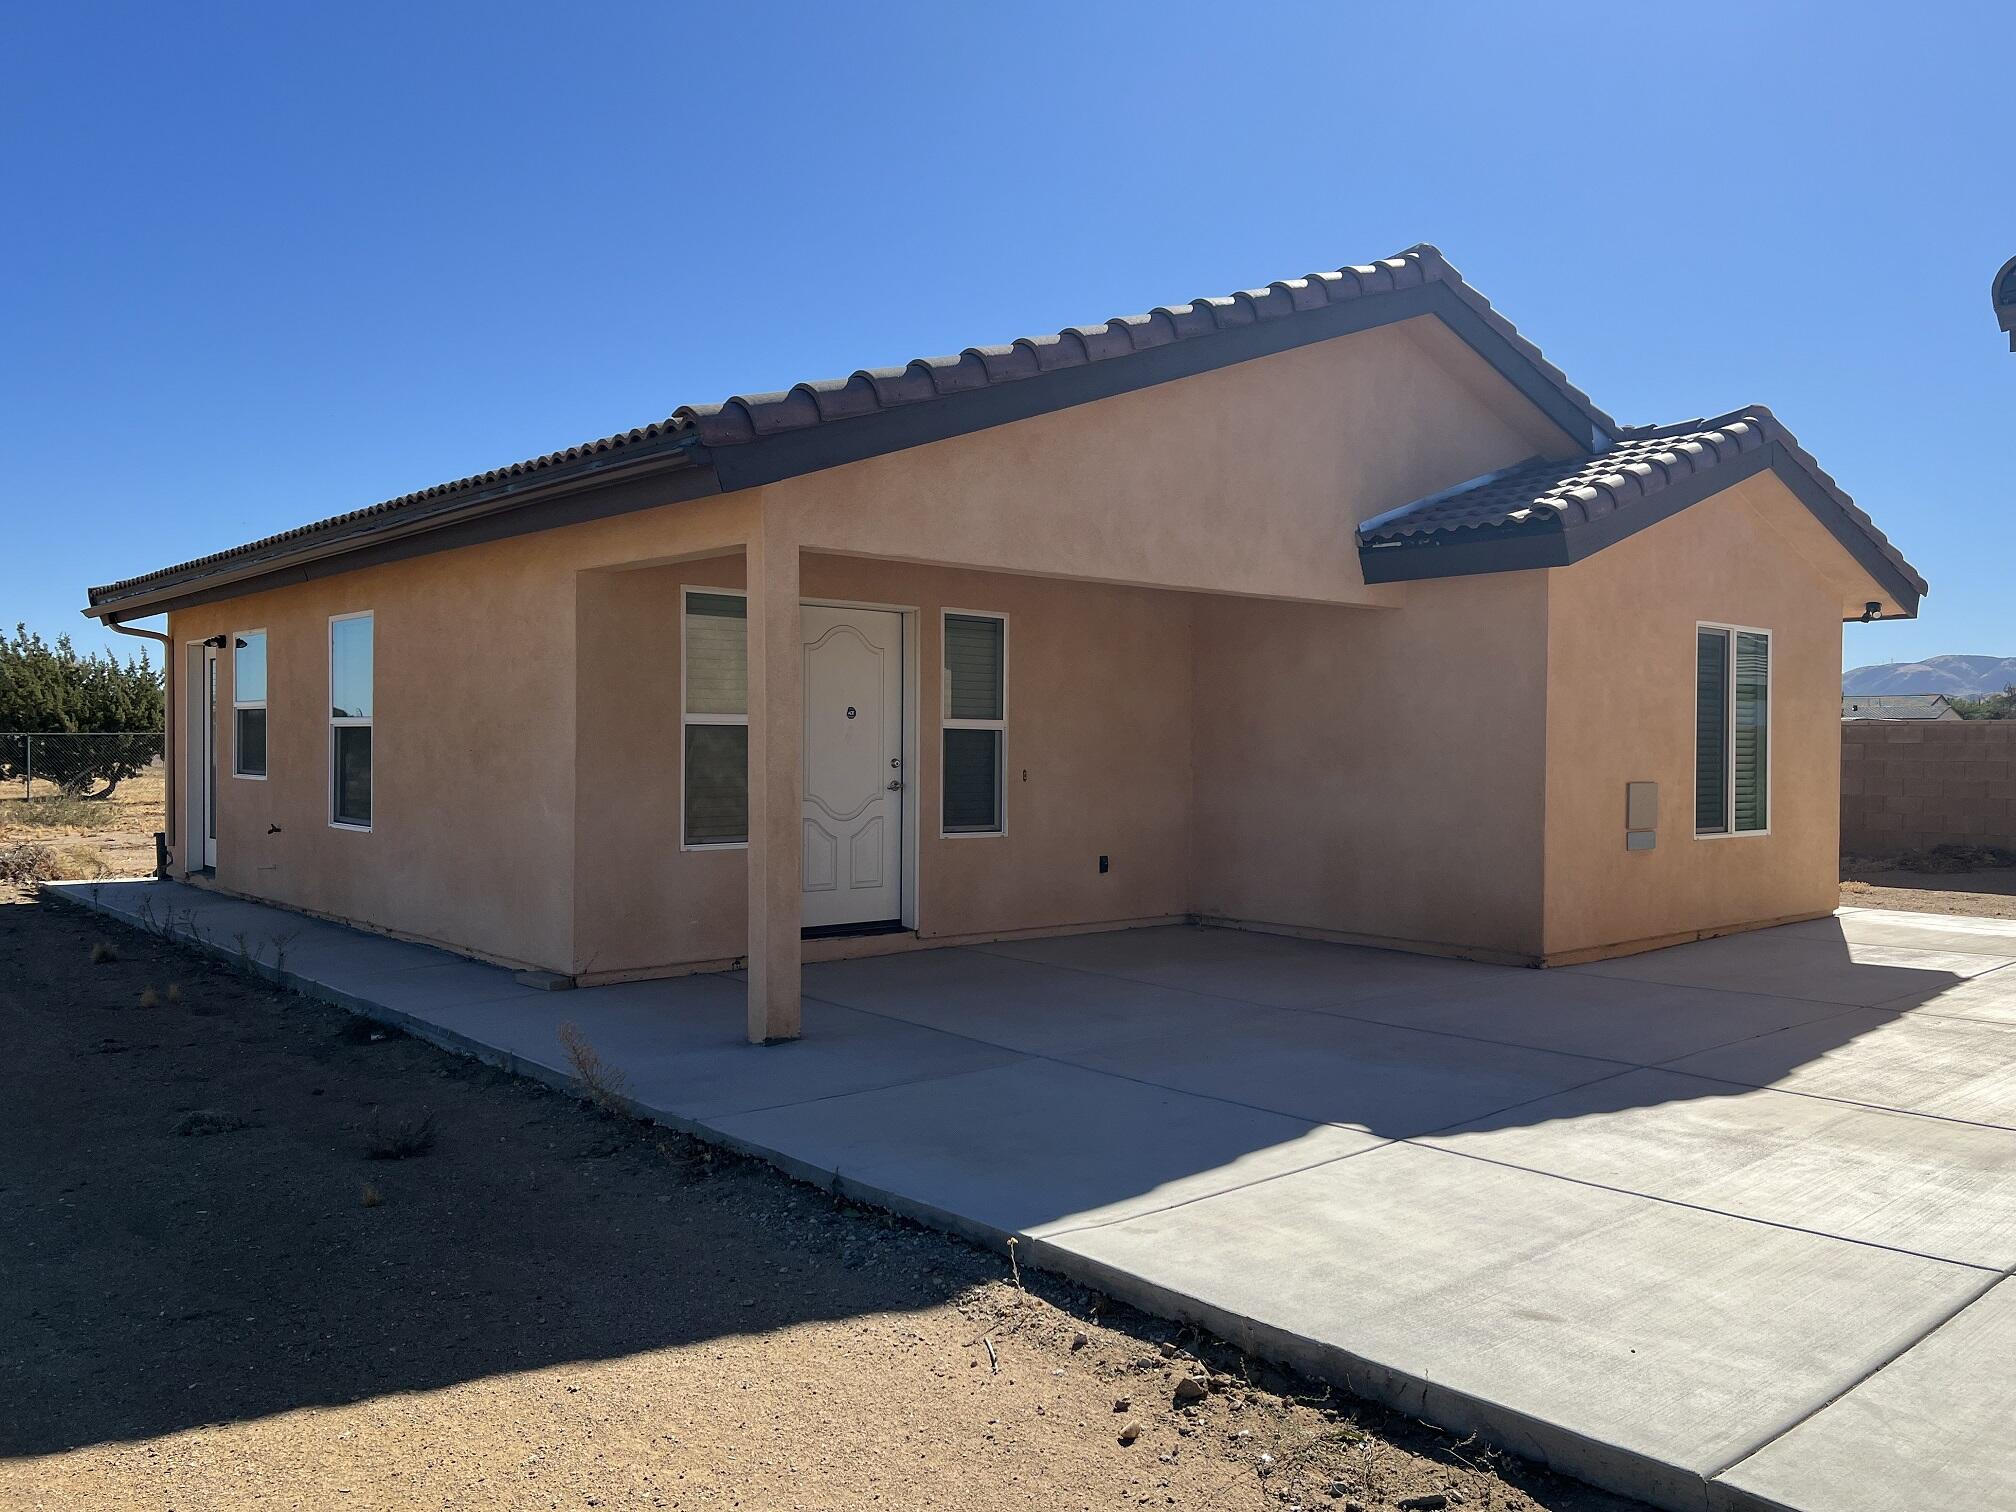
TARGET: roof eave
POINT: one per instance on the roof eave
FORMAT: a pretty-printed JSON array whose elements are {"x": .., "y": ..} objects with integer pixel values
[
  {"x": 1500, "y": 548},
  {"x": 798, "y": 434},
  {"x": 596, "y": 488}
]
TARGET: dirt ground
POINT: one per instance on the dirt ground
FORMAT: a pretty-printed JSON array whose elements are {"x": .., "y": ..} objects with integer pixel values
[
  {"x": 1979, "y": 882},
  {"x": 216, "y": 1298},
  {"x": 85, "y": 839}
]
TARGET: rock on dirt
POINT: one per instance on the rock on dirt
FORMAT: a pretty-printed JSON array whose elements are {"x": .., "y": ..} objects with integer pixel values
[{"x": 208, "y": 1121}]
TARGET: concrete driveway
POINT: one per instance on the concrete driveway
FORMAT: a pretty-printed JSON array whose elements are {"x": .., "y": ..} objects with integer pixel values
[{"x": 1726, "y": 1225}]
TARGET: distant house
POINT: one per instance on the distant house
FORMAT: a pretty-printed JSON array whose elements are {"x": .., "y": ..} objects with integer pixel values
[
  {"x": 1897, "y": 706},
  {"x": 1105, "y": 627}
]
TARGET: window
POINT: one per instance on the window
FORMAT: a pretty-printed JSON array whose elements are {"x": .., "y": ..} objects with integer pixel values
[
  {"x": 975, "y": 723},
  {"x": 1732, "y": 731},
  {"x": 350, "y": 679},
  {"x": 248, "y": 703},
  {"x": 714, "y": 718}
]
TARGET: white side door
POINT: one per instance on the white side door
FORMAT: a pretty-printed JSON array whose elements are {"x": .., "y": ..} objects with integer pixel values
[
  {"x": 210, "y": 756},
  {"x": 853, "y": 810}
]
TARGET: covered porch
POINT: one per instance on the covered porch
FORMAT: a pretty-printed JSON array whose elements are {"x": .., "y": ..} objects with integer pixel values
[{"x": 836, "y": 755}]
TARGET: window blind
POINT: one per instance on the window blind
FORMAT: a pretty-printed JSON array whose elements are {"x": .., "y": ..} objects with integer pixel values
[
  {"x": 717, "y": 654},
  {"x": 1711, "y": 732},
  {"x": 1750, "y": 759},
  {"x": 973, "y": 667}
]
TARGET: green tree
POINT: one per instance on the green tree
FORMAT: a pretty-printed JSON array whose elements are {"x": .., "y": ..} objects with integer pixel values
[
  {"x": 51, "y": 688},
  {"x": 1994, "y": 706}
]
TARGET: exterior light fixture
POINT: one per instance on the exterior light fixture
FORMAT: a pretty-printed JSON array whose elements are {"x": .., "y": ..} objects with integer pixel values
[{"x": 1871, "y": 611}]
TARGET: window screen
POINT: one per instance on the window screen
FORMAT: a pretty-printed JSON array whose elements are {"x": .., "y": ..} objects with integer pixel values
[
  {"x": 353, "y": 775},
  {"x": 250, "y": 743},
  {"x": 351, "y": 696},
  {"x": 974, "y": 666},
  {"x": 715, "y": 749},
  {"x": 1732, "y": 731},
  {"x": 717, "y": 784},
  {"x": 976, "y": 724},
  {"x": 1711, "y": 732},
  {"x": 972, "y": 780},
  {"x": 1752, "y": 731}
]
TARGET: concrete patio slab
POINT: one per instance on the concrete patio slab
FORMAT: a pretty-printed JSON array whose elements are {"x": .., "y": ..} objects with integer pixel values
[
  {"x": 1038, "y": 1146},
  {"x": 1802, "y": 966},
  {"x": 1277, "y": 970},
  {"x": 1020, "y": 1004},
  {"x": 1924, "y": 1185},
  {"x": 1945, "y": 1405},
  {"x": 1990, "y": 998},
  {"x": 1471, "y": 1191},
  {"x": 1642, "y": 1024},
  {"x": 682, "y": 1046},
  {"x": 1945, "y": 1067},
  {"x": 1626, "y": 1341},
  {"x": 1919, "y": 931},
  {"x": 1392, "y": 1082}
]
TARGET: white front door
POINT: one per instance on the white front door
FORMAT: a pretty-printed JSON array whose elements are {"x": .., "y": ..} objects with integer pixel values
[
  {"x": 210, "y": 756},
  {"x": 854, "y": 777}
]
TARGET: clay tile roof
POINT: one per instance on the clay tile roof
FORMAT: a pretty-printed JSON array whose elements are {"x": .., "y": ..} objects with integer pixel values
[
  {"x": 746, "y": 419},
  {"x": 1561, "y": 495},
  {"x": 1897, "y": 706}
]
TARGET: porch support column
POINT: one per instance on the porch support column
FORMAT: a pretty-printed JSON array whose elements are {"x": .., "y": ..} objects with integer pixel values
[{"x": 776, "y": 785}]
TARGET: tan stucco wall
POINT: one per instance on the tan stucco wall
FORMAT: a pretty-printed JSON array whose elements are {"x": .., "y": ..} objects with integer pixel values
[
  {"x": 1097, "y": 761},
  {"x": 1440, "y": 764},
  {"x": 1376, "y": 773},
  {"x": 1620, "y": 700},
  {"x": 1245, "y": 480},
  {"x": 473, "y": 745}
]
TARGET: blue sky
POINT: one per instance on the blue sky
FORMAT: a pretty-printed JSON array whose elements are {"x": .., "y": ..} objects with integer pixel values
[{"x": 269, "y": 262}]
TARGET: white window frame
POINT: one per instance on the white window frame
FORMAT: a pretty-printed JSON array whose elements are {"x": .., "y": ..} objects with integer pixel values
[
  {"x": 238, "y": 703},
  {"x": 686, "y": 591},
  {"x": 1729, "y": 732},
  {"x": 946, "y": 722},
  {"x": 348, "y": 721}
]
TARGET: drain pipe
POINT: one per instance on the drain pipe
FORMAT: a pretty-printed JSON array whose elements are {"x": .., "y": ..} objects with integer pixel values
[{"x": 163, "y": 838}]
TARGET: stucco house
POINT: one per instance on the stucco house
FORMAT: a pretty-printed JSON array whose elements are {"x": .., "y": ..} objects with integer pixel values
[{"x": 1330, "y": 608}]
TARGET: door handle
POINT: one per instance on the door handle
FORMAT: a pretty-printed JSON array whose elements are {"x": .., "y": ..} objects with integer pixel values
[{"x": 895, "y": 785}]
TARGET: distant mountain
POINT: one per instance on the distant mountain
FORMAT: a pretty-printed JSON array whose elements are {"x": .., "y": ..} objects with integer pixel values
[{"x": 1958, "y": 676}]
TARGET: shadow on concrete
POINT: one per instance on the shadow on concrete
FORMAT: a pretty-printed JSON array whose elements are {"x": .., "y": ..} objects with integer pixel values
[{"x": 1037, "y": 1085}]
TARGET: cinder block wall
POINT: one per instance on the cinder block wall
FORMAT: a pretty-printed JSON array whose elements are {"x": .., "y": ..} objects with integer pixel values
[{"x": 1909, "y": 786}]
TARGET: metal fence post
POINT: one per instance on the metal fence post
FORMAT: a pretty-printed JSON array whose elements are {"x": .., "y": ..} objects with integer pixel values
[{"x": 30, "y": 740}]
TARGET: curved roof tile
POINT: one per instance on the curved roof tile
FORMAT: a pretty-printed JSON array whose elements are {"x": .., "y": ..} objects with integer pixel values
[
  {"x": 743, "y": 419},
  {"x": 1575, "y": 491}
]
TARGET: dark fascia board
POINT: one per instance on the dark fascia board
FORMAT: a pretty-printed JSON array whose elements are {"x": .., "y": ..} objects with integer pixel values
[
  {"x": 789, "y": 454},
  {"x": 509, "y": 509},
  {"x": 1479, "y": 549},
  {"x": 594, "y": 498}
]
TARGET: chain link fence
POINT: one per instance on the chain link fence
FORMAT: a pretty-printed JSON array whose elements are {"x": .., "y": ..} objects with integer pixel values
[
  {"x": 34, "y": 767},
  {"x": 80, "y": 806}
]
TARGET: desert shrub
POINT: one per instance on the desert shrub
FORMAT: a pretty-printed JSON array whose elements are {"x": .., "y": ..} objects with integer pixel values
[
  {"x": 398, "y": 1136},
  {"x": 29, "y": 862},
  {"x": 601, "y": 1082}
]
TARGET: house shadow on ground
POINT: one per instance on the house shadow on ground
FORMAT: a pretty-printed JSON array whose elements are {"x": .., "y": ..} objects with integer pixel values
[{"x": 160, "y": 1280}]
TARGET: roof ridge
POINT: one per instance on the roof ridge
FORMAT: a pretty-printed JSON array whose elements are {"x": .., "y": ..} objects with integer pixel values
[
  {"x": 742, "y": 418},
  {"x": 1760, "y": 413}
]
